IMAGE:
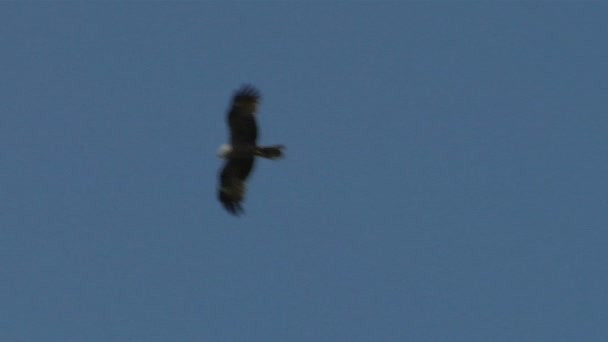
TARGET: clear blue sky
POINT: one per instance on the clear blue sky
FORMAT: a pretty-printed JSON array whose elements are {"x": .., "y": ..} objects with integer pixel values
[{"x": 445, "y": 179}]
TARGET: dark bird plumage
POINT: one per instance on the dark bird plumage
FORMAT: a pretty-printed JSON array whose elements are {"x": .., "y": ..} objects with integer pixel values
[{"x": 240, "y": 155}]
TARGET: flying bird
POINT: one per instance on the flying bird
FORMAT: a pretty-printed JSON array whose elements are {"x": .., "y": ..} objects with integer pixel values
[{"x": 242, "y": 151}]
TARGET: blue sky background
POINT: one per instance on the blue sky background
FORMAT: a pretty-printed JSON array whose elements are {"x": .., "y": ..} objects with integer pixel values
[{"x": 445, "y": 179}]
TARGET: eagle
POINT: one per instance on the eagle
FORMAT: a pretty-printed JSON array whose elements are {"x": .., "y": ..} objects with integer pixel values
[{"x": 242, "y": 151}]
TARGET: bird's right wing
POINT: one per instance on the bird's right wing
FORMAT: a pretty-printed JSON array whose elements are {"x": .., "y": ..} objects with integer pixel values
[{"x": 241, "y": 116}]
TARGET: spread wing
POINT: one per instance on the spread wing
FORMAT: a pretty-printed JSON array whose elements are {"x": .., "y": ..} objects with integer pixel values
[
  {"x": 233, "y": 186},
  {"x": 241, "y": 117}
]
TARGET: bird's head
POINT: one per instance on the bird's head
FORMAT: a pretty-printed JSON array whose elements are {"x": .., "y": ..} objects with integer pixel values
[{"x": 224, "y": 151}]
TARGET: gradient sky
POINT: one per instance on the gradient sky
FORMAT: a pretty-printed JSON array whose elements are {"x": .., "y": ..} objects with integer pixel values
[{"x": 445, "y": 179}]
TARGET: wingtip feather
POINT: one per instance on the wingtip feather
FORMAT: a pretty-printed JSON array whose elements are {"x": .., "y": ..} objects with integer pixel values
[{"x": 247, "y": 92}]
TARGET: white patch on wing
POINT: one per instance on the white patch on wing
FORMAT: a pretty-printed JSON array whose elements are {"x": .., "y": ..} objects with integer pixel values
[{"x": 224, "y": 151}]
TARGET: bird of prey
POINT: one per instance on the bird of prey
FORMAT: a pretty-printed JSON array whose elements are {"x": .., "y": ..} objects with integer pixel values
[{"x": 242, "y": 151}]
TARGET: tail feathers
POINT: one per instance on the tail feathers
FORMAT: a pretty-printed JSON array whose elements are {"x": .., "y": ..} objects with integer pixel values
[{"x": 270, "y": 152}]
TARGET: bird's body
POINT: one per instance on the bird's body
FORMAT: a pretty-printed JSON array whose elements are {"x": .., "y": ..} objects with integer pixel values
[{"x": 243, "y": 149}]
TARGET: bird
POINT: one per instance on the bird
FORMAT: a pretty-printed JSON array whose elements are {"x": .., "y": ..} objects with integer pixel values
[{"x": 242, "y": 151}]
